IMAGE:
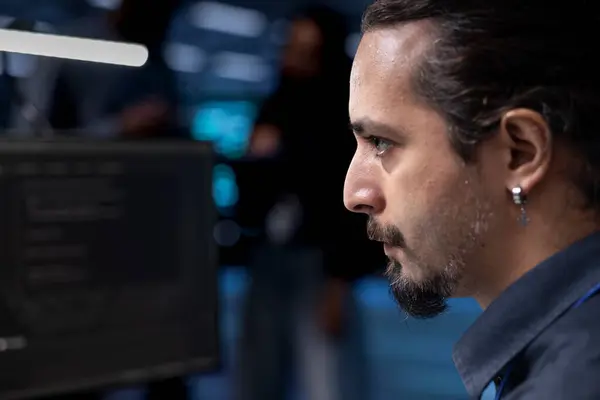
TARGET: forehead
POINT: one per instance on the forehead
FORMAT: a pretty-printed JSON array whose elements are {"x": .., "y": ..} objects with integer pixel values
[{"x": 383, "y": 67}]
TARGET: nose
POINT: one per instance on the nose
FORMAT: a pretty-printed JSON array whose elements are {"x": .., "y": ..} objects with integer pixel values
[{"x": 362, "y": 191}]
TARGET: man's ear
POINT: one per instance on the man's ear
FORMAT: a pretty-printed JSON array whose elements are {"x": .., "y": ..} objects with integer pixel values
[{"x": 529, "y": 147}]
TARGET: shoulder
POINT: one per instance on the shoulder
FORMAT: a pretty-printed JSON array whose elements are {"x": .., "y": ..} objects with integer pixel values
[
  {"x": 582, "y": 322},
  {"x": 565, "y": 358}
]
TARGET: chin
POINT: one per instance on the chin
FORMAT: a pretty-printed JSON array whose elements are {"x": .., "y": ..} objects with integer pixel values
[
  {"x": 405, "y": 272},
  {"x": 419, "y": 294}
]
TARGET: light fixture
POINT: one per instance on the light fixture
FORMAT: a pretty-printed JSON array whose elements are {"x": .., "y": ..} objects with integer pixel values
[{"x": 73, "y": 48}]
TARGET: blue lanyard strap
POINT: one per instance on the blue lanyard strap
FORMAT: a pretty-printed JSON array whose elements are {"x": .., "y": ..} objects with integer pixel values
[
  {"x": 593, "y": 291},
  {"x": 590, "y": 293},
  {"x": 505, "y": 376}
]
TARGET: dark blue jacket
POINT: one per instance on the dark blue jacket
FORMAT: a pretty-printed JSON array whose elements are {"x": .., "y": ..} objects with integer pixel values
[{"x": 541, "y": 338}]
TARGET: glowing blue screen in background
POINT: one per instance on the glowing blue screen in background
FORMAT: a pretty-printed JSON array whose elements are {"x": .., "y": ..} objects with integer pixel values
[
  {"x": 227, "y": 124},
  {"x": 225, "y": 189}
]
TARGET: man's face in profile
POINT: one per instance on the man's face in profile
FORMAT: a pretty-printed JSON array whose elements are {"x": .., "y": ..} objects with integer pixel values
[{"x": 433, "y": 212}]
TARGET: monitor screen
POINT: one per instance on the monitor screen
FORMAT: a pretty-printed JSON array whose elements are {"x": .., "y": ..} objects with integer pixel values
[{"x": 108, "y": 269}]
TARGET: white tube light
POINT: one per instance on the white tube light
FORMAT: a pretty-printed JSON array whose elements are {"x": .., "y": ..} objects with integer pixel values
[{"x": 73, "y": 48}]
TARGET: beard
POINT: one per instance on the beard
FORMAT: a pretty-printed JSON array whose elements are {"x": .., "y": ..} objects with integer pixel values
[
  {"x": 441, "y": 258},
  {"x": 426, "y": 299}
]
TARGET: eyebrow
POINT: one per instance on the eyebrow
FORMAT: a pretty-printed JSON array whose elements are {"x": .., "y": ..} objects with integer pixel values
[{"x": 367, "y": 127}]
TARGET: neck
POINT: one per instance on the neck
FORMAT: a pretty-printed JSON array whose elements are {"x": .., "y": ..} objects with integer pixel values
[{"x": 526, "y": 249}]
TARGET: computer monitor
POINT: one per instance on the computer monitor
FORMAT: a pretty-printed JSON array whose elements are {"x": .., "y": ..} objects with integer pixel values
[{"x": 108, "y": 270}]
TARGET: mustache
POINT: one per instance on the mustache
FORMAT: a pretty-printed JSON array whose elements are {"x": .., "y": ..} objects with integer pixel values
[{"x": 387, "y": 234}]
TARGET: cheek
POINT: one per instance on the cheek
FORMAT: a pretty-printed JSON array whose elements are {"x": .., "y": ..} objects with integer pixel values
[
  {"x": 431, "y": 205},
  {"x": 419, "y": 181}
]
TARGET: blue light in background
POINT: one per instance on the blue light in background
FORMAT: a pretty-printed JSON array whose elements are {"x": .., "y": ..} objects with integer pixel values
[
  {"x": 227, "y": 124},
  {"x": 225, "y": 189}
]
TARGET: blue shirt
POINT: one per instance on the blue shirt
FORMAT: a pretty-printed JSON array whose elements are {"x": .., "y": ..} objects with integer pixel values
[{"x": 552, "y": 349}]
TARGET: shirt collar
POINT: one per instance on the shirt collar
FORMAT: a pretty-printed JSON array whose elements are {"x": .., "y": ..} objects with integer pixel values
[{"x": 524, "y": 310}]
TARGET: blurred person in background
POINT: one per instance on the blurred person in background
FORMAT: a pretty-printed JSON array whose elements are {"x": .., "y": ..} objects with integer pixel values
[
  {"x": 106, "y": 101},
  {"x": 300, "y": 309}
]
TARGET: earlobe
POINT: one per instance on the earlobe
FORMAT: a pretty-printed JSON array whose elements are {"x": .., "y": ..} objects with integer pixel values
[{"x": 530, "y": 141}]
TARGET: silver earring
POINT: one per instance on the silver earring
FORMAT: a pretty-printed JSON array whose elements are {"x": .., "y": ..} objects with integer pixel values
[{"x": 520, "y": 199}]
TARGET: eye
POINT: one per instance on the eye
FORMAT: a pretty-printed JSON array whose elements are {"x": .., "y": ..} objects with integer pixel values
[{"x": 380, "y": 145}]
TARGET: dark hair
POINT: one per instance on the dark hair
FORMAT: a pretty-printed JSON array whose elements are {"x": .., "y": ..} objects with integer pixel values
[{"x": 490, "y": 56}]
